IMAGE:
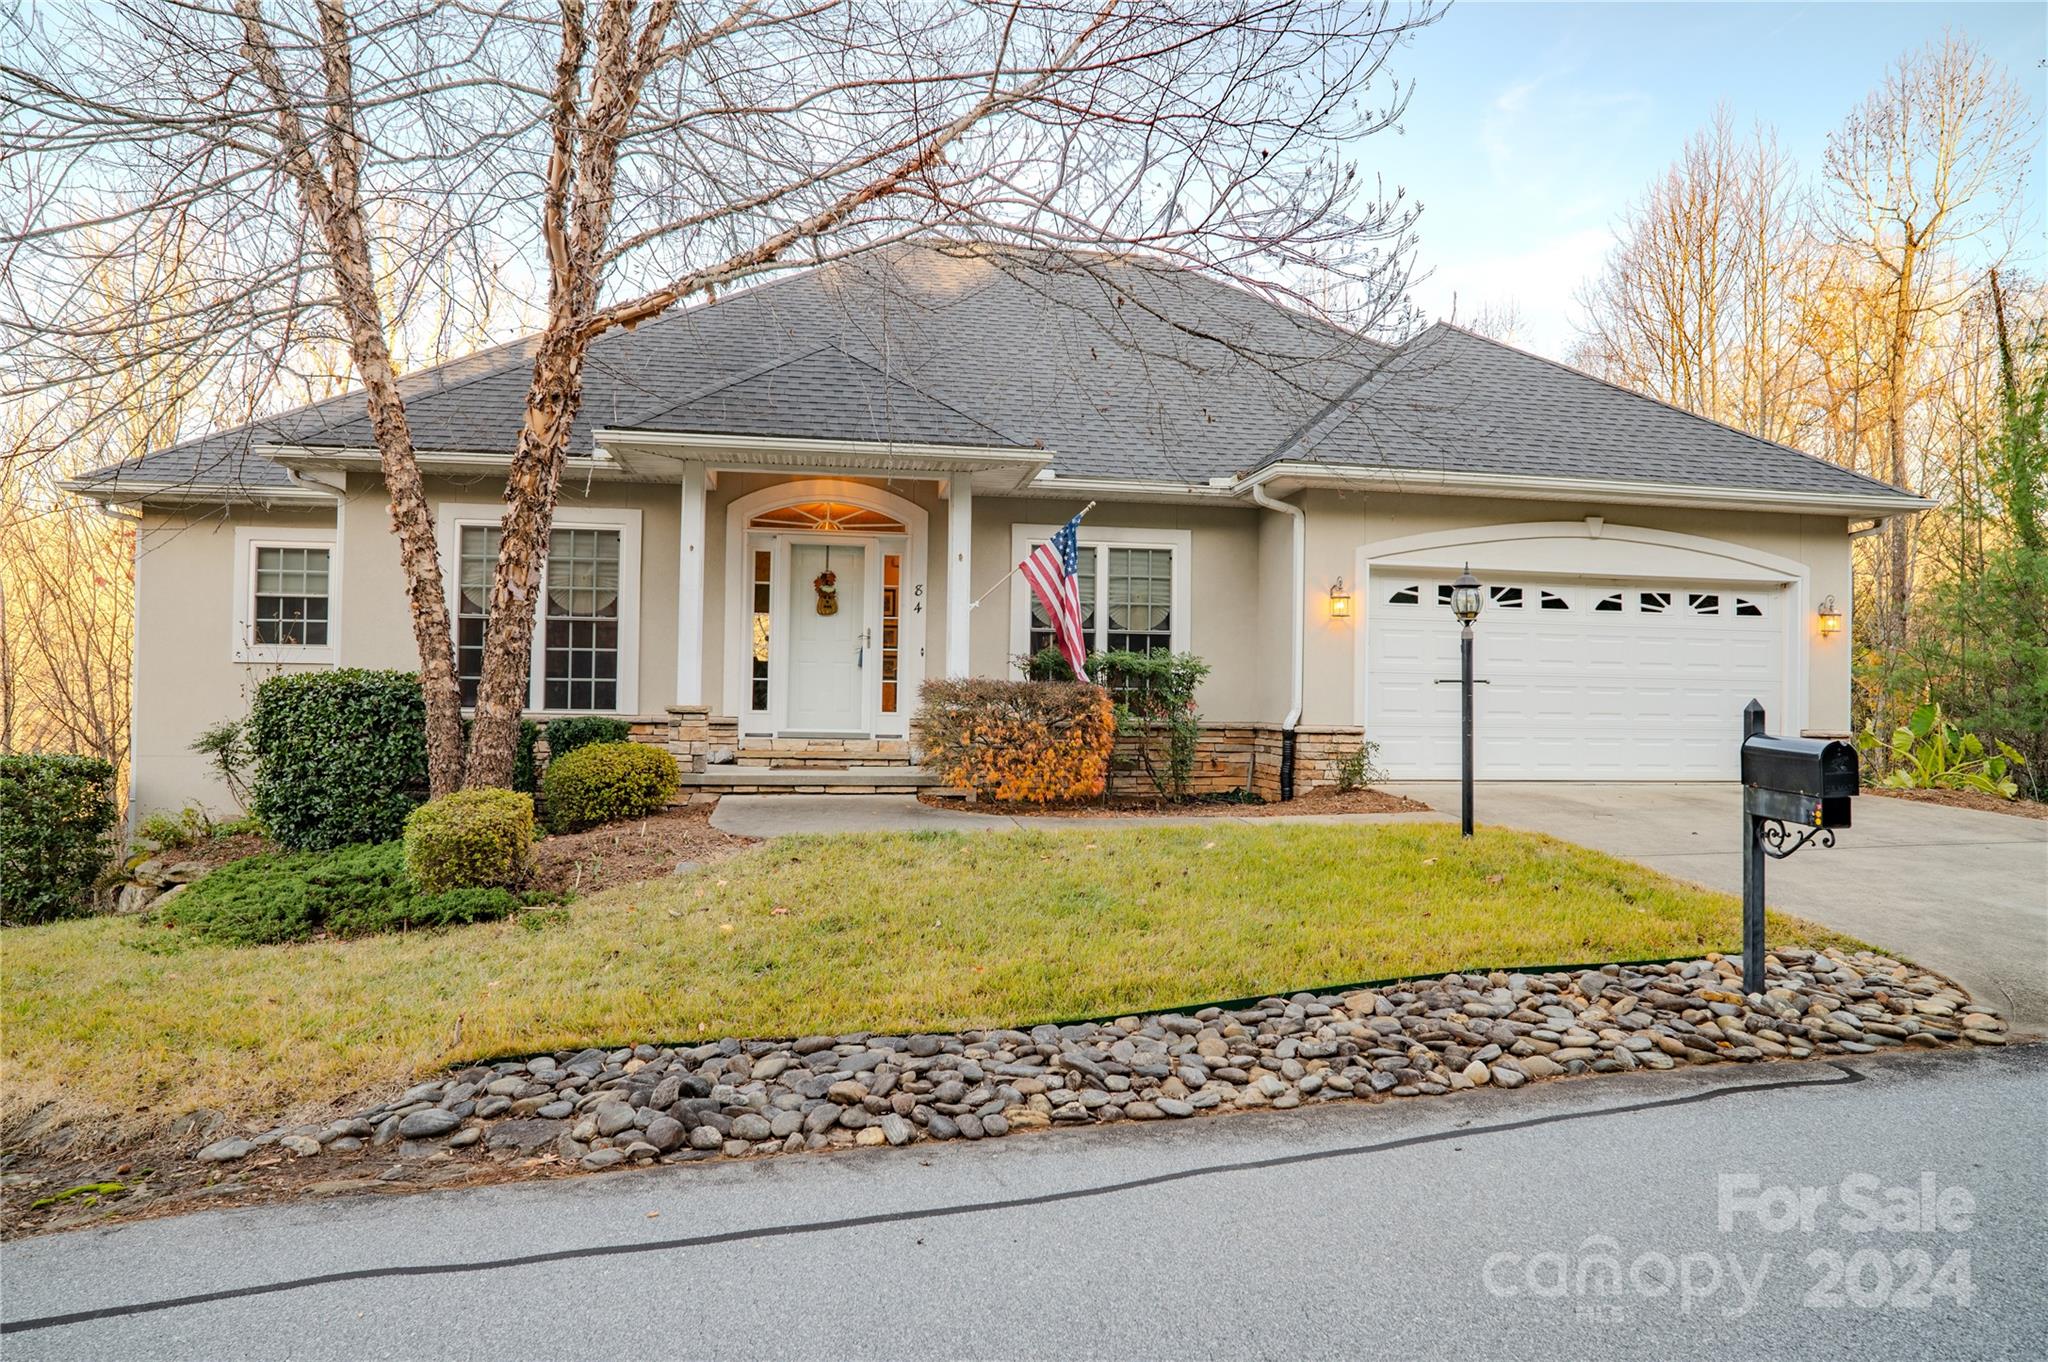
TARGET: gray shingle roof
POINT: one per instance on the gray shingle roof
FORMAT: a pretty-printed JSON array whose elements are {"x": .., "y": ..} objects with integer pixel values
[
  {"x": 1452, "y": 401},
  {"x": 1122, "y": 368}
]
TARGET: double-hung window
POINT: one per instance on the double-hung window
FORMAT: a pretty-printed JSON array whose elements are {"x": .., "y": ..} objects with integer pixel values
[
  {"x": 1133, "y": 586},
  {"x": 286, "y": 592},
  {"x": 585, "y": 629}
]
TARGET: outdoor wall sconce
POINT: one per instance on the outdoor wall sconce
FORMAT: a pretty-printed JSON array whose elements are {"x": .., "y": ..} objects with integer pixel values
[
  {"x": 1340, "y": 601},
  {"x": 1830, "y": 618}
]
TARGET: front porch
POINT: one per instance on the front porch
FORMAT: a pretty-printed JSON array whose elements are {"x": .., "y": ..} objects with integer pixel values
[{"x": 716, "y": 760}]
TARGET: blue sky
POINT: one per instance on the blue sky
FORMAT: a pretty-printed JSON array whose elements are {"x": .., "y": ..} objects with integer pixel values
[{"x": 1534, "y": 124}]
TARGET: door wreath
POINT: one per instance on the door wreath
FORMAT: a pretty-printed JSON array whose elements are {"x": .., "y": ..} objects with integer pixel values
[{"x": 826, "y": 584}]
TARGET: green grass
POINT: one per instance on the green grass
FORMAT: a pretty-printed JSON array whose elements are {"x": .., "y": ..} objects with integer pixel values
[{"x": 124, "y": 1021}]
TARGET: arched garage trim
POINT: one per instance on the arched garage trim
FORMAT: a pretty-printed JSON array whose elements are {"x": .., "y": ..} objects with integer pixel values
[{"x": 1596, "y": 548}]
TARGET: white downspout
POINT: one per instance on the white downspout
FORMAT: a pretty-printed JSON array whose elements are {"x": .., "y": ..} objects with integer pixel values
[{"x": 1299, "y": 608}]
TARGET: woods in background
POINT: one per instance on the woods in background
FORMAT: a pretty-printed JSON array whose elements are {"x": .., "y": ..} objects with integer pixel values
[{"x": 1862, "y": 314}]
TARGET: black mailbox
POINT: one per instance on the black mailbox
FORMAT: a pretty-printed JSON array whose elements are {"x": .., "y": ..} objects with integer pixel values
[{"x": 1810, "y": 782}]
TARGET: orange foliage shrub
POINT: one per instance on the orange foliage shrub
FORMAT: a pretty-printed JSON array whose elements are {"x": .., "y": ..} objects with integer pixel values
[{"x": 1028, "y": 741}]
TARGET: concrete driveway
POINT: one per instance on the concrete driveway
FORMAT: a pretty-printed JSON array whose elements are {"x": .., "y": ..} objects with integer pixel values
[{"x": 1960, "y": 891}]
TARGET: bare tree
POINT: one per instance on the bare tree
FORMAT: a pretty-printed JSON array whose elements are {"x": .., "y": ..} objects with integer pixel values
[
  {"x": 631, "y": 156},
  {"x": 1936, "y": 156},
  {"x": 1692, "y": 304}
]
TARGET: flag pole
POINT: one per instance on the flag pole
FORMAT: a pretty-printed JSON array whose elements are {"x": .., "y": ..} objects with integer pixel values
[{"x": 1013, "y": 571}]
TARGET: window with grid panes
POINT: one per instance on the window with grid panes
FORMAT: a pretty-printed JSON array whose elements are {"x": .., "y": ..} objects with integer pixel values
[
  {"x": 580, "y": 655},
  {"x": 479, "y": 558},
  {"x": 1139, "y": 601},
  {"x": 290, "y": 606}
]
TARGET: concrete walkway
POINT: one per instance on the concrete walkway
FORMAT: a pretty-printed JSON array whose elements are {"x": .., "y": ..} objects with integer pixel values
[
  {"x": 782, "y": 815},
  {"x": 1960, "y": 891}
]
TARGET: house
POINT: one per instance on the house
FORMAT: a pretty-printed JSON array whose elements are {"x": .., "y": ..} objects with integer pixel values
[{"x": 1285, "y": 499}]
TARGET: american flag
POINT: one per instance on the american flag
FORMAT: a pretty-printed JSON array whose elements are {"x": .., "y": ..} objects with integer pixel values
[{"x": 1051, "y": 569}]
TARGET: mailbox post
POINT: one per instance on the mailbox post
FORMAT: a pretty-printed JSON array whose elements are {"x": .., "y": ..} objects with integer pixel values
[{"x": 1787, "y": 783}]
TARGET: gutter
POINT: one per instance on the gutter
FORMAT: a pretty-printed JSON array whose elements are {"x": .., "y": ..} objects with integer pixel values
[
  {"x": 1298, "y": 627},
  {"x": 1615, "y": 490},
  {"x": 134, "y": 493}
]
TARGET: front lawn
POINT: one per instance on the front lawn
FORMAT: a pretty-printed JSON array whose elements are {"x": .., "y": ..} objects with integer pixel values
[{"x": 123, "y": 1020}]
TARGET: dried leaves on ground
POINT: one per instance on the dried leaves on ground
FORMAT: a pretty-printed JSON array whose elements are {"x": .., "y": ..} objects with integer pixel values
[
  {"x": 1969, "y": 799},
  {"x": 1315, "y": 802}
]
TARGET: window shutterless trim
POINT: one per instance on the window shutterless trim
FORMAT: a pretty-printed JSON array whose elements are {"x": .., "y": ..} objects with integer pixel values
[
  {"x": 451, "y": 516},
  {"x": 249, "y": 539},
  {"x": 1097, "y": 540}
]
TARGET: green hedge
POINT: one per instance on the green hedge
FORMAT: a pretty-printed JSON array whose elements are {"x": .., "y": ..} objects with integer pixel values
[
  {"x": 56, "y": 825},
  {"x": 470, "y": 839},
  {"x": 341, "y": 756},
  {"x": 525, "y": 765},
  {"x": 605, "y": 782},
  {"x": 581, "y": 730},
  {"x": 356, "y": 891}
]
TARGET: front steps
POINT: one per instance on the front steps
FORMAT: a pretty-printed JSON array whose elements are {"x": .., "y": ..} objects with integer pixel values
[
  {"x": 821, "y": 754},
  {"x": 735, "y": 779},
  {"x": 717, "y": 760}
]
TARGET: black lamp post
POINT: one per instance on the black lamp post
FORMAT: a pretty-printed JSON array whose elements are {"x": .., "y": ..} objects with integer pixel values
[{"x": 1465, "y": 605}]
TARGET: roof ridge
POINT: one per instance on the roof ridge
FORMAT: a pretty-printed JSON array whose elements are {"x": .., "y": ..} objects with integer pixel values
[
  {"x": 929, "y": 396},
  {"x": 1574, "y": 369},
  {"x": 717, "y": 386},
  {"x": 801, "y": 355},
  {"x": 666, "y": 318}
]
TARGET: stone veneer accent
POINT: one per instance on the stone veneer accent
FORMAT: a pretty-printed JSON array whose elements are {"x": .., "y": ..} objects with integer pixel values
[
  {"x": 1228, "y": 756},
  {"x": 1246, "y": 756}
]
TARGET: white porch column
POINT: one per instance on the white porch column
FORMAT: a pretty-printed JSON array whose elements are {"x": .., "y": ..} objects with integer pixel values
[
  {"x": 690, "y": 590},
  {"x": 959, "y": 562}
]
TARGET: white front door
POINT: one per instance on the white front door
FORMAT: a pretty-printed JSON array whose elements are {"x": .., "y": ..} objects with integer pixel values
[
  {"x": 1636, "y": 680},
  {"x": 827, "y": 679}
]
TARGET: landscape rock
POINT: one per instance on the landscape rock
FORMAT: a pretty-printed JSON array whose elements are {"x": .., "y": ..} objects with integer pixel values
[
  {"x": 226, "y": 1151},
  {"x": 1411, "y": 1039},
  {"x": 424, "y": 1125}
]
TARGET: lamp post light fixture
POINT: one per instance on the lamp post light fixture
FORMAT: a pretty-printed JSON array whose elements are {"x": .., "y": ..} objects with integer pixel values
[{"x": 1465, "y": 605}]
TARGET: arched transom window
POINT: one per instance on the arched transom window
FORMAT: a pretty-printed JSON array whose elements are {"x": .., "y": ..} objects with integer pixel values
[{"x": 827, "y": 516}]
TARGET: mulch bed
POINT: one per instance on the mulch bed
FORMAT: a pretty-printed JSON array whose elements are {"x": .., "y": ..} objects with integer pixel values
[
  {"x": 621, "y": 853},
  {"x": 215, "y": 852},
  {"x": 573, "y": 863},
  {"x": 1969, "y": 799},
  {"x": 1313, "y": 802}
]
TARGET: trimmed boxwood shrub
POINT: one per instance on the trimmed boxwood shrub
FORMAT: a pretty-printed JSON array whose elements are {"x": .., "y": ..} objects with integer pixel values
[
  {"x": 581, "y": 730},
  {"x": 341, "y": 756},
  {"x": 56, "y": 823},
  {"x": 470, "y": 839},
  {"x": 355, "y": 891},
  {"x": 607, "y": 781},
  {"x": 1028, "y": 741}
]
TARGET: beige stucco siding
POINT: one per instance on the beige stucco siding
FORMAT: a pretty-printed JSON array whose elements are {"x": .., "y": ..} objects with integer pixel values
[
  {"x": 1237, "y": 604},
  {"x": 1226, "y": 599},
  {"x": 186, "y": 677},
  {"x": 378, "y": 632}
]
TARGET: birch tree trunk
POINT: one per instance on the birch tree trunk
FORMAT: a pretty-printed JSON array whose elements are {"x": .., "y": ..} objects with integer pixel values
[{"x": 332, "y": 200}]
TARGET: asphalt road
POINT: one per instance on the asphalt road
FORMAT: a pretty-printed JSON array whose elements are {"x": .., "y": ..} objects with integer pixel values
[
  {"x": 1471, "y": 1227},
  {"x": 1962, "y": 891}
]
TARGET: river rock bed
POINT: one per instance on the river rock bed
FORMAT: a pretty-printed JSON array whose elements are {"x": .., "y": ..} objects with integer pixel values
[{"x": 735, "y": 1098}]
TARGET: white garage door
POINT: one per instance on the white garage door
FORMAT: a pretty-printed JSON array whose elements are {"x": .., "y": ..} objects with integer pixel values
[{"x": 1602, "y": 680}]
